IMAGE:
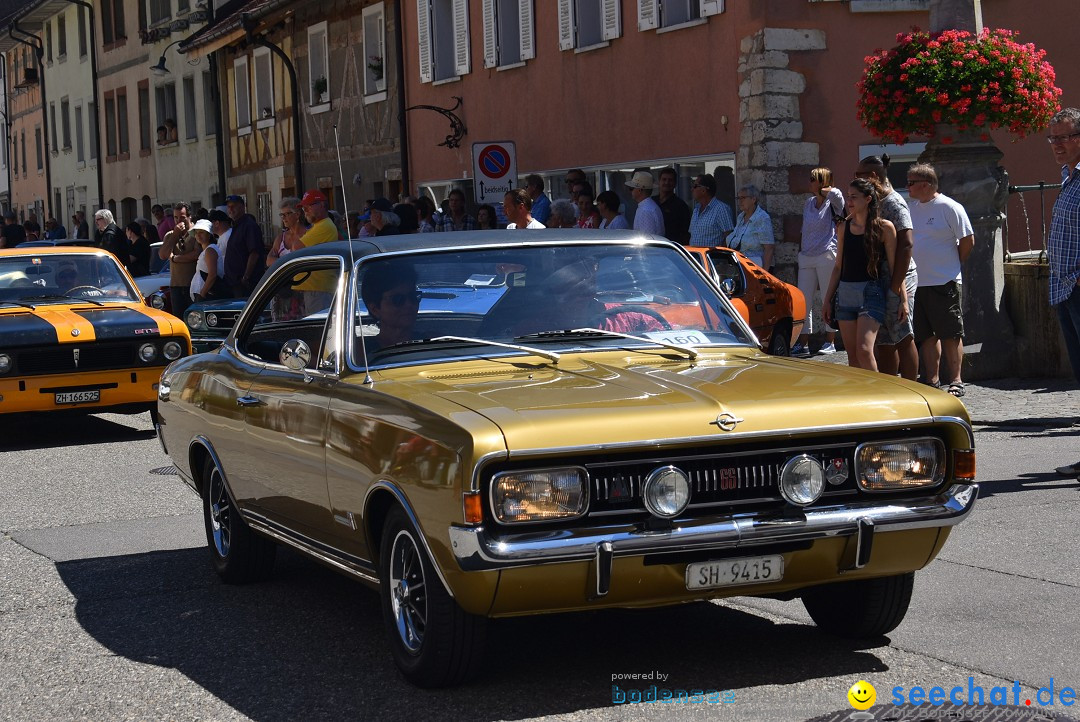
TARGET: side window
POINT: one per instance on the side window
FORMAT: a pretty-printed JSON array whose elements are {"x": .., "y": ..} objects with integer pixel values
[{"x": 294, "y": 306}]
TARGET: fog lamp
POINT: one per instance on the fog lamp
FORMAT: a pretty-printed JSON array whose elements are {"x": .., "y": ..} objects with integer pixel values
[
  {"x": 666, "y": 491},
  {"x": 539, "y": 495},
  {"x": 802, "y": 480}
]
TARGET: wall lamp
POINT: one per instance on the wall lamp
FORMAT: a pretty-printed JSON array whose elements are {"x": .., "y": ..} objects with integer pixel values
[{"x": 160, "y": 68}]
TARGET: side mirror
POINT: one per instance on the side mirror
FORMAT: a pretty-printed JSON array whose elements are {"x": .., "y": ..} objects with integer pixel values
[
  {"x": 295, "y": 354},
  {"x": 728, "y": 286}
]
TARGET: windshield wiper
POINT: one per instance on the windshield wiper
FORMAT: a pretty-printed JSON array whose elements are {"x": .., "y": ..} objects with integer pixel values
[
  {"x": 31, "y": 306},
  {"x": 60, "y": 296},
  {"x": 549, "y": 355},
  {"x": 690, "y": 351}
]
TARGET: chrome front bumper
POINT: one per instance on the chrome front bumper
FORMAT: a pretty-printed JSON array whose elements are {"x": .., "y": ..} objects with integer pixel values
[{"x": 478, "y": 550}]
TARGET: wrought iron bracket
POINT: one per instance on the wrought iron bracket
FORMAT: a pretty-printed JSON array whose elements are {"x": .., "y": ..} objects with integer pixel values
[{"x": 457, "y": 127}]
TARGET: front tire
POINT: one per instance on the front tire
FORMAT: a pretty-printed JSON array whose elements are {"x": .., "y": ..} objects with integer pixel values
[
  {"x": 780, "y": 341},
  {"x": 435, "y": 643},
  {"x": 861, "y": 609},
  {"x": 239, "y": 554}
]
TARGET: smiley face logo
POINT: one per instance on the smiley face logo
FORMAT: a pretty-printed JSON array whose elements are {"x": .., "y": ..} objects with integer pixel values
[{"x": 862, "y": 695}]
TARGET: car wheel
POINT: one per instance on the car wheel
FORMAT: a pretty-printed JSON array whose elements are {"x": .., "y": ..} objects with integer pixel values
[
  {"x": 239, "y": 554},
  {"x": 860, "y": 609},
  {"x": 435, "y": 643},
  {"x": 780, "y": 341}
]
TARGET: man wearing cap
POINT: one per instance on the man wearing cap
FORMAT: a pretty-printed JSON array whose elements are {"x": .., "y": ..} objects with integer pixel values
[
  {"x": 317, "y": 211},
  {"x": 12, "y": 234},
  {"x": 648, "y": 218},
  {"x": 384, "y": 219},
  {"x": 246, "y": 257}
]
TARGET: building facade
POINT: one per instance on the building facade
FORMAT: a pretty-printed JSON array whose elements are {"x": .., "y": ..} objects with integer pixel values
[{"x": 29, "y": 195}]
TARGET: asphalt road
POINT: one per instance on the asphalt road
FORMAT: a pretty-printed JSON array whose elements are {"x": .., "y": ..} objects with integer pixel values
[{"x": 109, "y": 610}]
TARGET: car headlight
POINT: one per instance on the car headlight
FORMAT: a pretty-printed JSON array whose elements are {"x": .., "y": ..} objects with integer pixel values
[
  {"x": 194, "y": 320},
  {"x": 172, "y": 350},
  {"x": 5, "y": 363},
  {"x": 147, "y": 352},
  {"x": 666, "y": 491},
  {"x": 211, "y": 319},
  {"x": 157, "y": 301},
  {"x": 802, "y": 480},
  {"x": 897, "y": 465},
  {"x": 539, "y": 495}
]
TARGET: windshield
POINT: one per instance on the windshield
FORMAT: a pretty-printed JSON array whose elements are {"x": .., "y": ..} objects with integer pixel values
[
  {"x": 541, "y": 297},
  {"x": 63, "y": 278}
]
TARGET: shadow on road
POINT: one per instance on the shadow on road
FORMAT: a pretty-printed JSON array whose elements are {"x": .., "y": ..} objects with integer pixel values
[
  {"x": 66, "y": 428},
  {"x": 1027, "y": 482},
  {"x": 310, "y": 644}
]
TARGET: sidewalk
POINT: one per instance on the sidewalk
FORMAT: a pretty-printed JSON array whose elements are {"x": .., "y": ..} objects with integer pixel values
[{"x": 1048, "y": 403}]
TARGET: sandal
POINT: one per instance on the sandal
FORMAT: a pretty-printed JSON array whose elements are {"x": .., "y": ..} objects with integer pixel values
[{"x": 956, "y": 389}]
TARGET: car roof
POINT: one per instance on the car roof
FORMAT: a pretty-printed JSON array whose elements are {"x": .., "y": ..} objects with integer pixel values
[
  {"x": 50, "y": 250},
  {"x": 469, "y": 239}
]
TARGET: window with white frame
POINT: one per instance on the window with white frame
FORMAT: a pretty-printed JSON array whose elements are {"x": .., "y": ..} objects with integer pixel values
[
  {"x": 160, "y": 11},
  {"x": 264, "y": 87},
  {"x": 374, "y": 50},
  {"x": 61, "y": 37},
  {"x": 65, "y": 122},
  {"x": 588, "y": 23},
  {"x": 654, "y": 14},
  {"x": 242, "y": 95},
  {"x": 165, "y": 100},
  {"x": 443, "y": 39},
  {"x": 509, "y": 35},
  {"x": 318, "y": 65}
]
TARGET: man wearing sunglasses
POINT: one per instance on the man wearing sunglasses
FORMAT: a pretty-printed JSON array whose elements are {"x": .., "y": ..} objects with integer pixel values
[
  {"x": 1063, "y": 244},
  {"x": 392, "y": 299}
]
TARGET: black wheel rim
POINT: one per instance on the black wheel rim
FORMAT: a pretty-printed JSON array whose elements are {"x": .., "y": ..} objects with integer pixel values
[
  {"x": 220, "y": 510},
  {"x": 408, "y": 592}
]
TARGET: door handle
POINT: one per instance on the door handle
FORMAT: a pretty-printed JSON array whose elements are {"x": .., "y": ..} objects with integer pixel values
[{"x": 245, "y": 401}]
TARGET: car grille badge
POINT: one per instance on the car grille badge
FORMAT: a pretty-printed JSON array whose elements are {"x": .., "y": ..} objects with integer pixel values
[
  {"x": 836, "y": 471},
  {"x": 619, "y": 488},
  {"x": 727, "y": 421},
  {"x": 75, "y": 332}
]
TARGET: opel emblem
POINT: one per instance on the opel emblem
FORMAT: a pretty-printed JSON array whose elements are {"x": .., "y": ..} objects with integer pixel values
[
  {"x": 74, "y": 332},
  {"x": 727, "y": 422}
]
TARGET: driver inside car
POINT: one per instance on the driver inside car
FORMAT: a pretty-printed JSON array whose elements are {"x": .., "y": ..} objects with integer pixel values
[
  {"x": 67, "y": 278},
  {"x": 570, "y": 303},
  {"x": 393, "y": 301}
]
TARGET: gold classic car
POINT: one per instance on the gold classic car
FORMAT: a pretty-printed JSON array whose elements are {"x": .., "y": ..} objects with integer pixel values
[
  {"x": 75, "y": 333},
  {"x": 492, "y": 424}
]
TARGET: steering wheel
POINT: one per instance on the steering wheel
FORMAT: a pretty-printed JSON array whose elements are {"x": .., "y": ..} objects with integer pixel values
[
  {"x": 96, "y": 291},
  {"x": 631, "y": 308}
]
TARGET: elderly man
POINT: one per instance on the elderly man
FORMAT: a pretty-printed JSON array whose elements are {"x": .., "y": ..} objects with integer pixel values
[
  {"x": 110, "y": 237},
  {"x": 385, "y": 221},
  {"x": 317, "y": 211},
  {"x": 942, "y": 239},
  {"x": 245, "y": 260},
  {"x": 1064, "y": 242},
  {"x": 517, "y": 206},
  {"x": 563, "y": 214},
  {"x": 648, "y": 218},
  {"x": 541, "y": 204},
  {"x": 711, "y": 220}
]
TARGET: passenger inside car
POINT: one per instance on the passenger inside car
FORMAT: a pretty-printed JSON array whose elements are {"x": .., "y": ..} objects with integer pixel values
[{"x": 392, "y": 301}]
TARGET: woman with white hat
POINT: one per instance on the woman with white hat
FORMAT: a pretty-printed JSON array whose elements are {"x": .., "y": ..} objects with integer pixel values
[{"x": 209, "y": 279}]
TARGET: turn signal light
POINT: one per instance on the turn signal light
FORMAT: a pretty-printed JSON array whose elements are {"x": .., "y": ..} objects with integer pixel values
[
  {"x": 473, "y": 509},
  {"x": 964, "y": 464}
]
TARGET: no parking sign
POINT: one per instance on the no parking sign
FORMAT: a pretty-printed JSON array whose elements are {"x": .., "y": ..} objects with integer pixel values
[{"x": 494, "y": 170}]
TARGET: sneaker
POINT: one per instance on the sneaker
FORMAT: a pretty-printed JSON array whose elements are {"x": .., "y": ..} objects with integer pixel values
[
  {"x": 827, "y": 348},
  {"x": 800, "y": 349},
  {"x": 1070, "y": 470}
]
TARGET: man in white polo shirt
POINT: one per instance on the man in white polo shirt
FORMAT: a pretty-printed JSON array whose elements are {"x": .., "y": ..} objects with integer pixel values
[
  {"x": 942, "y": 240},
  {"x": 648, "y": 218}
]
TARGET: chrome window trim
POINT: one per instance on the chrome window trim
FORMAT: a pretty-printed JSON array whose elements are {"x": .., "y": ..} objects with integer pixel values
[{"x": 944, "y": 464}]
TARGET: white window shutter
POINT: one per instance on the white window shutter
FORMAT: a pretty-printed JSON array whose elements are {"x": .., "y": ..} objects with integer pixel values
[
  {"x": 648, "y": 15},
  {"x": 461, "y": 37},
  {"x": 611, "y": 12},
  {"x": 490, "y": 55},
  {"x": 528, "y": 29},
  {"x": 423, "y": 21},
  {"x": 711, "y": 7},
  {"x": 566, "y": 24}
]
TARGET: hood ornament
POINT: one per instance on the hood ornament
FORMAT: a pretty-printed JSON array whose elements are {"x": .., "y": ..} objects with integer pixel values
[
  {"x": 74, "y": 332},
  {"x": 727, "y": 422}
]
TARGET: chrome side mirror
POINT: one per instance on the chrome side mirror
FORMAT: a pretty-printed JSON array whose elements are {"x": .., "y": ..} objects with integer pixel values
[
  {"x": 728, "y": 286},
  {"x": 295, "y": 354}
]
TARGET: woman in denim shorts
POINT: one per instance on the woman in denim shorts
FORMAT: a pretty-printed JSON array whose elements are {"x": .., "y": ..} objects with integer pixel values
[{"x": 865, "y": 250}]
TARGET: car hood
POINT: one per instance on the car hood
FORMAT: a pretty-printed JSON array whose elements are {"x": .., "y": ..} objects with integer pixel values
[
  {"x": 604, "y": 399},
  {"x": 80, "y": 323}
]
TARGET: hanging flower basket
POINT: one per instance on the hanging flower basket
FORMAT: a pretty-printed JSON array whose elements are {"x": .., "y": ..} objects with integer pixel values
[
  {"x": 958, "y": 79},
  {"x": 375, "y": 65}
]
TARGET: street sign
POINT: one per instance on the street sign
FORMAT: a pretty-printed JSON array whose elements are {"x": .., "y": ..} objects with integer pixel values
[{"x": 494, "y": 170}]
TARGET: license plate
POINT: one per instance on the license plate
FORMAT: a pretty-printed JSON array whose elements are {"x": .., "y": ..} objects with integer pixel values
[
  {"x": 78, "y": 397},
  {"x": 732, "y": 572}
]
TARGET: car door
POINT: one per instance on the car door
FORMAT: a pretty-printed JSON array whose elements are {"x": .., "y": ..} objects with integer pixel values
[{"x": 285, "y": 409}]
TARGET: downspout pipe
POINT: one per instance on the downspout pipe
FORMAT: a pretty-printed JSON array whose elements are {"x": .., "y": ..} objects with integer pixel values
[
  {"x": 262, "y": 42},
  {"x": 7, "y": 125},
  {"x": 215, "y": 97},
  {"x": 39, "y": 54},
  {"x": 97, "y": 99},
  {"x": 403, "y": 127}
]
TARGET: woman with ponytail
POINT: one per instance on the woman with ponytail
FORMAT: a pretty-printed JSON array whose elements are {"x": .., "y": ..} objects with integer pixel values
[{"x": 865, "y": 251}]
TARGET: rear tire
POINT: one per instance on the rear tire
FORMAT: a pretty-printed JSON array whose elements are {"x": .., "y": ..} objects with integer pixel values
[
  {"x": 861, "y": 609},
  {"x": 239, "y": 554},
  {"x": 435, "y": 643},
  {"x": 780, "y": 341}
]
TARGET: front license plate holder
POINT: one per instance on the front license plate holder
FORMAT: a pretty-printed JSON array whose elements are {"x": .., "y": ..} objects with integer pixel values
[
  {"x": 735, "y": 572},
  {"x": 77, "y": 397}
]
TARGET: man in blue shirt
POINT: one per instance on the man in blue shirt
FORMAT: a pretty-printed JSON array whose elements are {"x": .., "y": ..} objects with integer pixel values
[
  {"x": 541, "y": 204},
  {"x": 1063, "y": 246}
]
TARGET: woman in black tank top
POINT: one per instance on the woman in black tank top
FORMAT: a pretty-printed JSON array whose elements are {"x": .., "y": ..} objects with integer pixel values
[{"x": 855, "y": 299}]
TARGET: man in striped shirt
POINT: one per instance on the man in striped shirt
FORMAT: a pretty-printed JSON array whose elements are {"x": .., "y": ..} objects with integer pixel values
[{"x": 711, "y": 220}]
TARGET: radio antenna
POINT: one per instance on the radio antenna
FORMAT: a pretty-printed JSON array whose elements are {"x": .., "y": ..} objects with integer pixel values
[{"x": 352, "y": 261}]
